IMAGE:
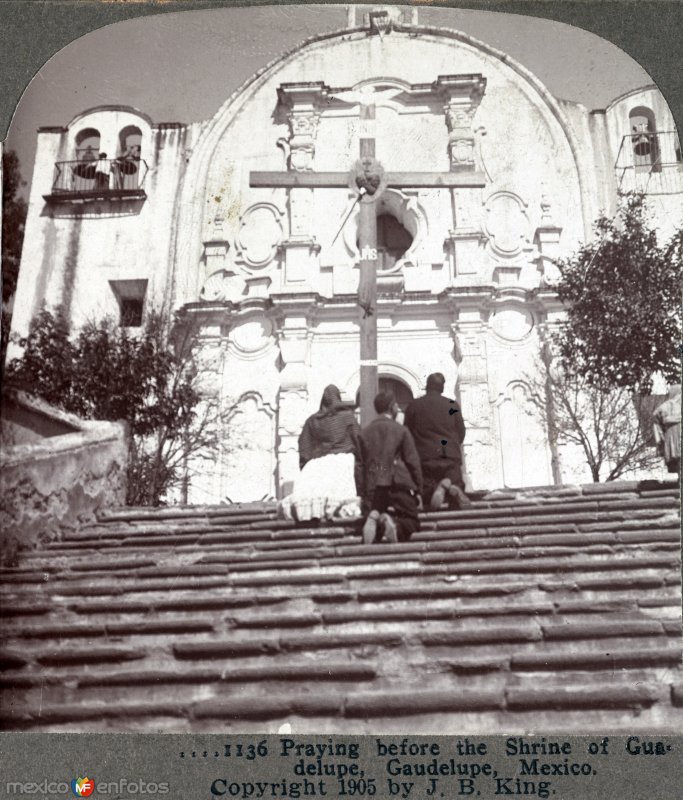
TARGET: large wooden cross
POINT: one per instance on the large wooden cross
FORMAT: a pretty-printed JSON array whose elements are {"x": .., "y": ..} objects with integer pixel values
[{"x": 368, "y": 179}]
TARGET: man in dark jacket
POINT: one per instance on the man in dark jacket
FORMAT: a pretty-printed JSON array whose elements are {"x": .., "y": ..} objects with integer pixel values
[
  {"x": 438, "y": 429},
  {"x": 388, "y": 476}
]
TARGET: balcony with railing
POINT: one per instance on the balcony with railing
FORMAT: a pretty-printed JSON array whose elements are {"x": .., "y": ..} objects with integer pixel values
[
  {"x": 88, "y": 179},
  {"x": 651, "y": 162}
]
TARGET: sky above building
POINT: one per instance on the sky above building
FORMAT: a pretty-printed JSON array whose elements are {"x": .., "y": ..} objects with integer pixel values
[{"x": 182, "y": 66}]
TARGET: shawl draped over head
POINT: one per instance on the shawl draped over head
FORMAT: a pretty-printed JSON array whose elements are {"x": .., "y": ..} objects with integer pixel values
[
  {"x": 667, "y": 428},
  {"x": 332, "y": 429}
]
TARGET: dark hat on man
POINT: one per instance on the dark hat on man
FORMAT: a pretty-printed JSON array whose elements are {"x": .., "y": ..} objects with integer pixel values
[{"x": 436, "y": 382}]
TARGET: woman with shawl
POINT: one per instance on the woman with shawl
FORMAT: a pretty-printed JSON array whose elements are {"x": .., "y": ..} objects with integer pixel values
[
  {"x": 667, "y": 424},
  {"x": 328, "y": 446}
]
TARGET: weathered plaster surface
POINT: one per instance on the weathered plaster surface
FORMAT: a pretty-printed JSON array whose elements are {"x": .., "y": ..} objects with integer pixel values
[{"x": 59, "y": 480}]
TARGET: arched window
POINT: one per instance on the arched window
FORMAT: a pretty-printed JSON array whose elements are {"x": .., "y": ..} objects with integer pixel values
[
  {"x": 644, "y": 142},
  {"x": 130, "y": 142},
  {"x": 127, "y": 165},
  {"x": 87, "y": 144}
]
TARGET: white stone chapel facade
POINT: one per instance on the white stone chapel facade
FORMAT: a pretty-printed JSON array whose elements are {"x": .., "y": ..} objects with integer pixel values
[{"x": 270, "y": 274}]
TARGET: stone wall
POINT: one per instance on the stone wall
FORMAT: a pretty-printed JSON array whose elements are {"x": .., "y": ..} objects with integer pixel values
[{"x": 56, "y": 481}]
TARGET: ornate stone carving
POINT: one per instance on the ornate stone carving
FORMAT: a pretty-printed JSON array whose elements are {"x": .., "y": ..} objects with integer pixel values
[
  {"x": 460, "y": 136},
  {"x": 216, "y": 247},
  {"x": 252, "y": 335},
  {"x": 209, "y": 358},
  {"x": 302, "y": 103},
  {"x": 303, "y": 128},
  {"x": 217, "y": 286},
  {"x": 380, "y": 22},
  {"x": 462, "y": 95},
  {"x": 471, "y": 354},
  {"x": 547, "y": 240},
  {"x": 215, "y": 258},
  {"x": 259, "y": 235},
  {"x": 293, "y": 406},
  {"x": 367, "y": 176},
  {"x": 506, "y": 223},
  {"x": 512, "y": 323},
  {"x": 248, "y": 457}
]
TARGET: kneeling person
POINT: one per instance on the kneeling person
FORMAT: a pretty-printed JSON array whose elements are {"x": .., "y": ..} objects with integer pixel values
[
  {"x": 438, "y": 430},
  {"x": 389, "y": 475}
]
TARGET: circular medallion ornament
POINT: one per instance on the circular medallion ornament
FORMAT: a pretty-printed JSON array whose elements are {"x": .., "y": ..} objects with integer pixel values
[
  {"x": 511, "y": 323},
  {"x": 252, "y": 335}
]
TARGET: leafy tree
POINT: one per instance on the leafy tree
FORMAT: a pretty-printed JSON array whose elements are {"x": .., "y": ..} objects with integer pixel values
[
  {"x": 606, "y": 423},
  {"x": 622, "y": 292},
  {"x": 13, "y": 221},
  {"x": 106, "y": 373}
]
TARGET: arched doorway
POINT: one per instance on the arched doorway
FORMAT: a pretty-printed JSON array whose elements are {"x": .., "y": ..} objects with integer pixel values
[{"x": 401, "y": 391}]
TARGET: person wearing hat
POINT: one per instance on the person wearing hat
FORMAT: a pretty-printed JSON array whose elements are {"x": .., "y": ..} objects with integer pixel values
[
  {"x": 389, "y": 476},
  {"x": 438, "y": 429}
]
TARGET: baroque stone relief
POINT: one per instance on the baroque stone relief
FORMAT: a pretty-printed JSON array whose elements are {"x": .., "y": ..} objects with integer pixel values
[
  {"x": 221, "y": 285},
  {"x": 251, "y": 336},
  {"x": 259, "y": 235},
  {"x": 292, "y": 411},
  {"x": 511, "y": 323},
  {"x": 248, "y": 454},
  {"x": 506, "y": 224},
  {"x": 208, "y": 357}
]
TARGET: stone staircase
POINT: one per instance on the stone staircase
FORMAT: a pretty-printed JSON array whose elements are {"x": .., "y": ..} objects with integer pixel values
[{"x": 537, "y": 610}]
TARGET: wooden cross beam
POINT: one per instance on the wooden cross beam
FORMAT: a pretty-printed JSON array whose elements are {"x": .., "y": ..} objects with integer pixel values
[
  {"x": 394, "y": 180},
  {"x": 369, "y": 181}
]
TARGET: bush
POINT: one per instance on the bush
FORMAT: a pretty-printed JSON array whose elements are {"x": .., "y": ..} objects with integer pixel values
[{"x": 107, "y": 373}]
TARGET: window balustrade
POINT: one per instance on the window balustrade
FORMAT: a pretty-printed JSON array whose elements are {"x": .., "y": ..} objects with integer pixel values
[
  {"x": 92, "y": 178},
  {"x": 650, "y": 161}
]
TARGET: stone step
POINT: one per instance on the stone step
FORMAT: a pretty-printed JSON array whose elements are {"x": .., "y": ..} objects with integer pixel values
[
  {"x": 164, "y": 522},
  {"x": 201, "y": 594},
  {"x": 619, "y": 532},
  {"x": 352, "y": 705},
  {"x": 526, "y": 606},
  {"x": 570, "y": 617},
  {"x": 662, "y": 555}
]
